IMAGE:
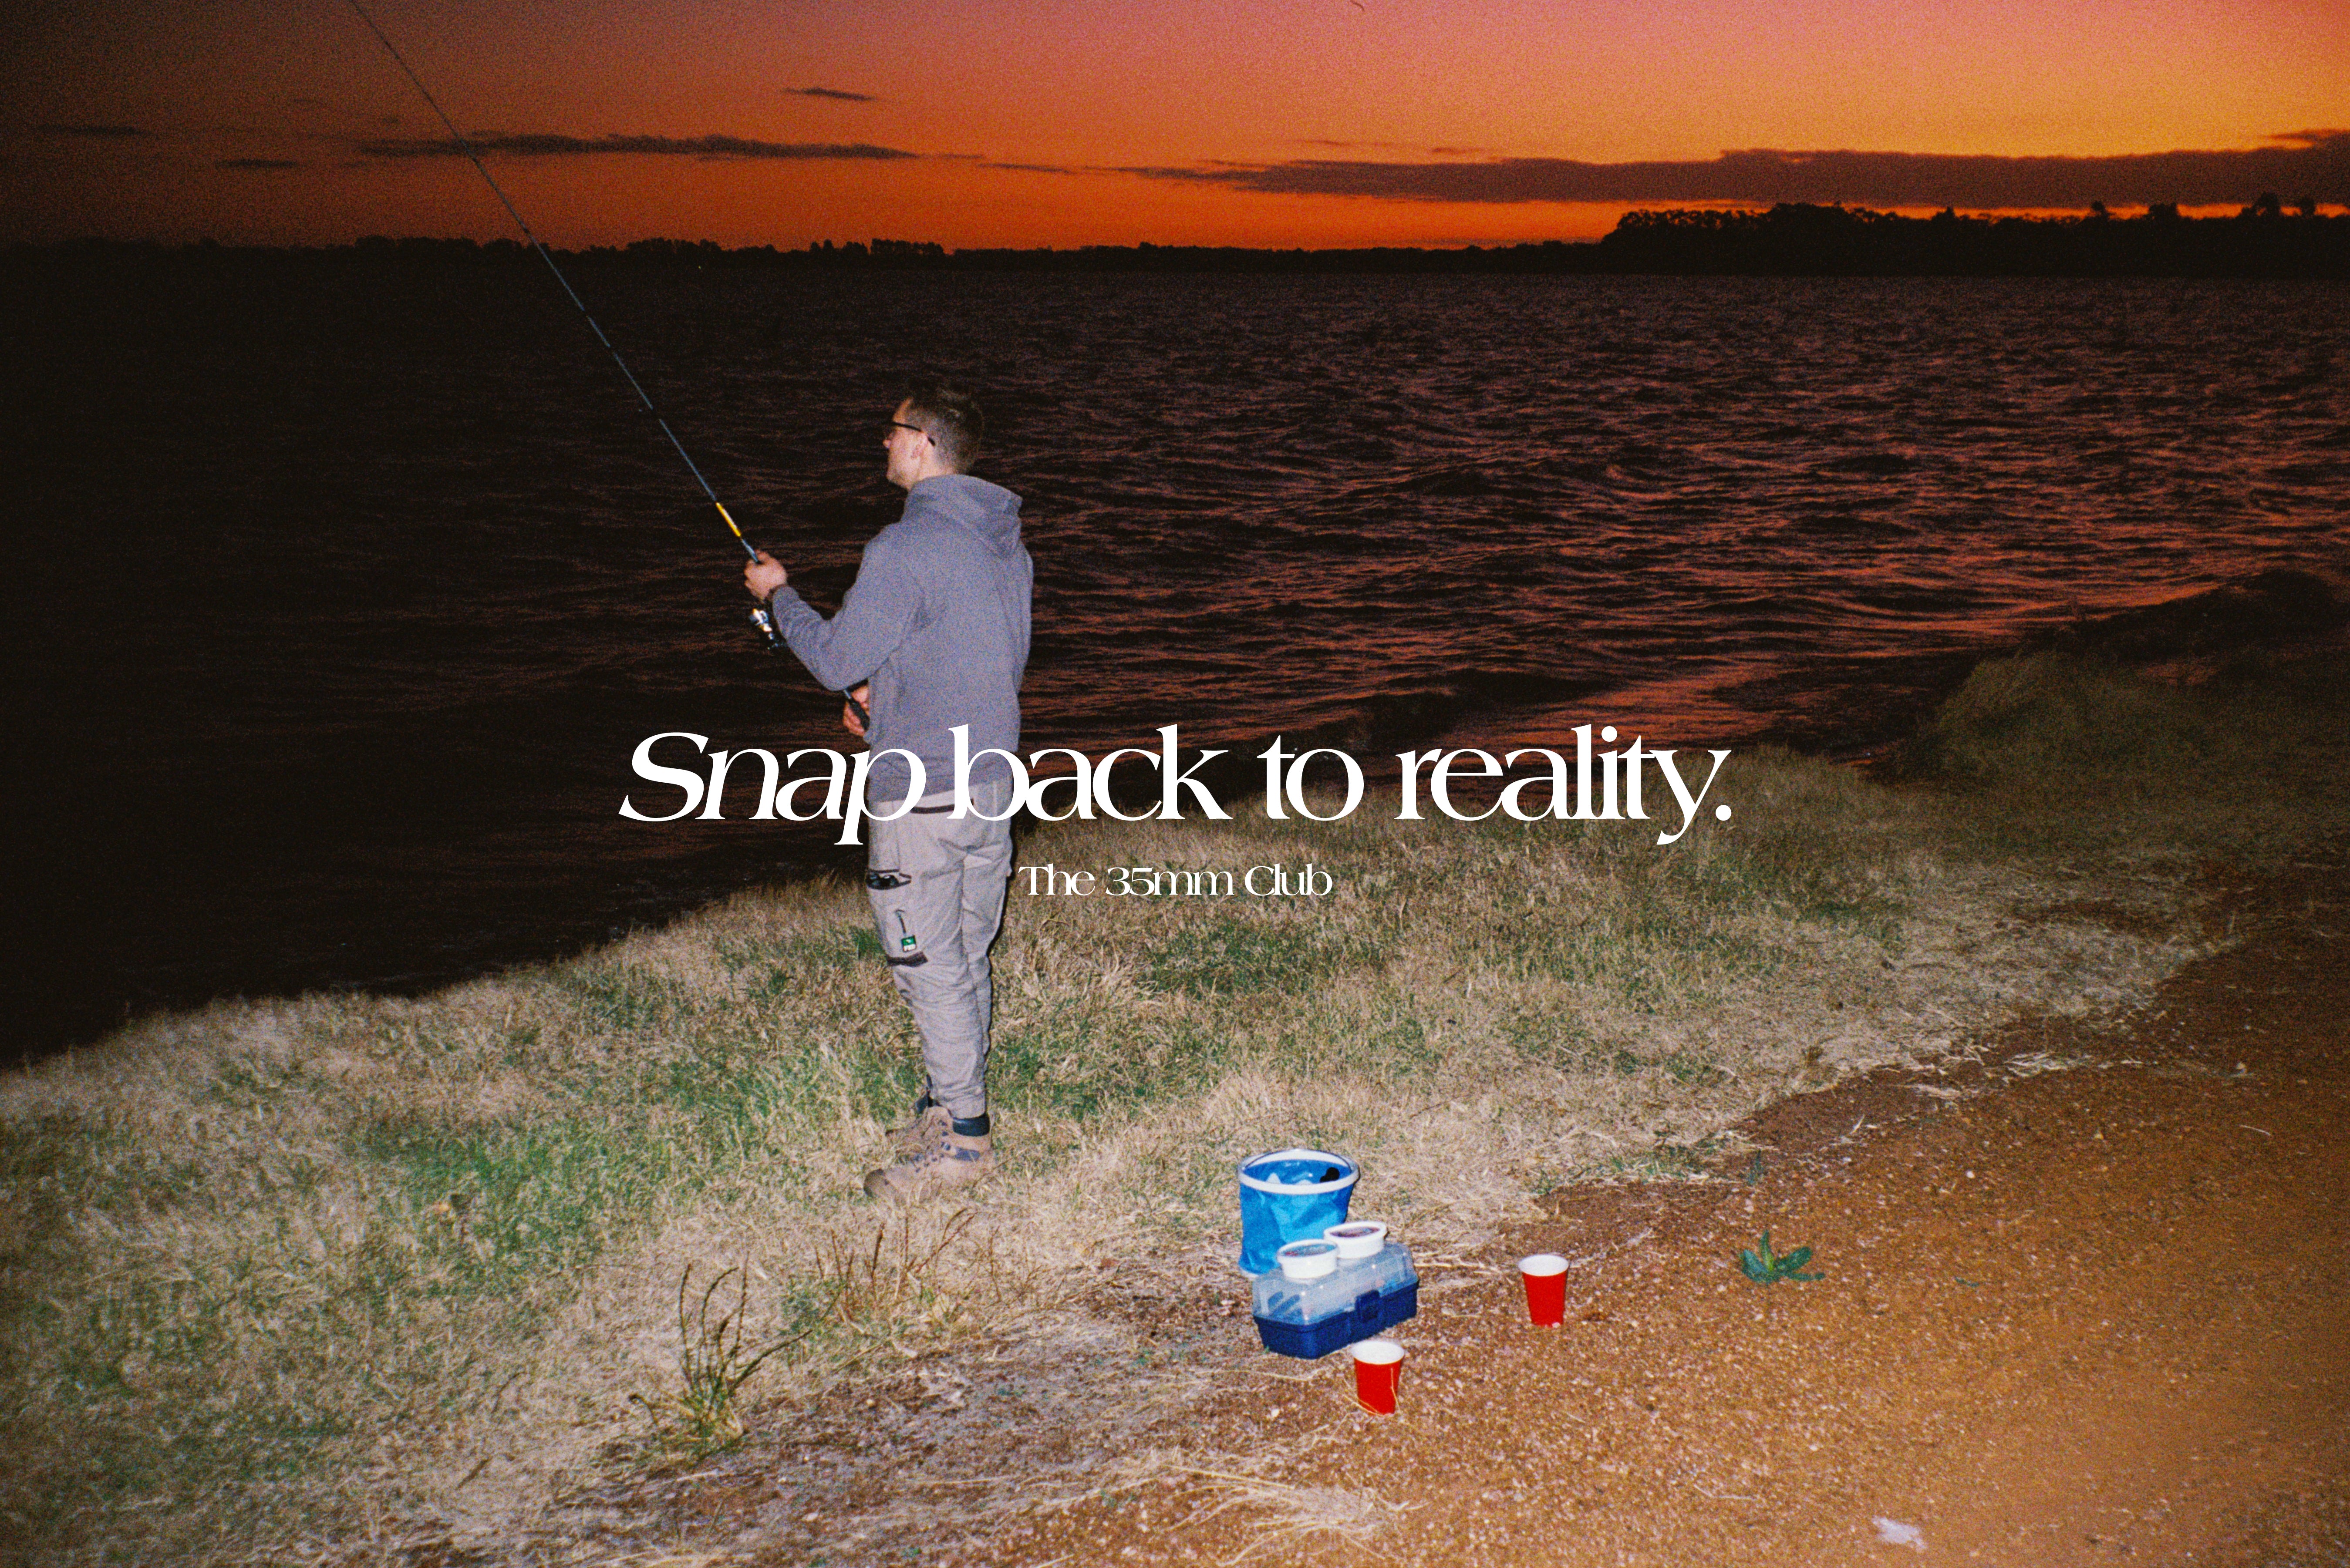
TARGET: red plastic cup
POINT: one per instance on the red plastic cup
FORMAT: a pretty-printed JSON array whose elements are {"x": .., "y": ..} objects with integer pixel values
[
  {"x": 1376, "y": 1362},
  {"x": 1545, "y": 1277}
]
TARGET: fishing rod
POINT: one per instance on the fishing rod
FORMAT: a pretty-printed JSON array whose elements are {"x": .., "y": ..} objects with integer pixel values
[{"x": 759, "y": 617}]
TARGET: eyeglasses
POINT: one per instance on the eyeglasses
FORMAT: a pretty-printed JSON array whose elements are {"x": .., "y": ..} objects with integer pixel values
[{"x": 902, "y": 425}]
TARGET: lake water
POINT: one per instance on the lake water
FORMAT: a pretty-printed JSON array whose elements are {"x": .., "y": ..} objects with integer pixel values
[{"x": 341, "y": 596}]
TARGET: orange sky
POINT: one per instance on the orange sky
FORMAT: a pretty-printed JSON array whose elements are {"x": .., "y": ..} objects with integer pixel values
[{"x": 122, "y": 116}]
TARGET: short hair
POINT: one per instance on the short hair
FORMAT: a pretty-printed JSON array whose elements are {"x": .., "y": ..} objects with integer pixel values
[{"x": 950, "y": 418}]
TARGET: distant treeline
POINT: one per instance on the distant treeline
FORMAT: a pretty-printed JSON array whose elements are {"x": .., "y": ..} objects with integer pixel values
[{"x": 2268, "y": 239}]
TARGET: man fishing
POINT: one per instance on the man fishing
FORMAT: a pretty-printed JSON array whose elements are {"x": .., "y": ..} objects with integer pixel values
[{"x": 933, "y": 634}]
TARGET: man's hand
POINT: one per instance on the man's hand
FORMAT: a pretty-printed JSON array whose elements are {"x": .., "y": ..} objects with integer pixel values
[
  {"x": 763, "y": 576},
  {"x": 858, "y": 696}
]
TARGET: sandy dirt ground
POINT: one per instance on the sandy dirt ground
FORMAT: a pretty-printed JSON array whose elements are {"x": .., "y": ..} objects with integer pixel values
[{"x": 2084, "y": 1298}]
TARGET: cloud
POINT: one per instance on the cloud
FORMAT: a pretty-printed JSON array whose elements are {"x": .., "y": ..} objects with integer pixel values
[
  {"x": 257, "y": 163},
  {"x": 109, "y": 131},
  {"x": 1359, "y": 146},
  {"x": 549, "y": 146},
  {"x": 833, "y": 93},
  {"x": 2307, "y": 162}
]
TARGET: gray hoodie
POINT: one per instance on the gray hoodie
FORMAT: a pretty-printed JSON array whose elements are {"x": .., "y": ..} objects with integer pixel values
[{"x": 938, "y": 622}]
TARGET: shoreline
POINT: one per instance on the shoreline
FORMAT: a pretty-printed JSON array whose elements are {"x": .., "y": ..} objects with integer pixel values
[{"x": 2182, "y": 641}]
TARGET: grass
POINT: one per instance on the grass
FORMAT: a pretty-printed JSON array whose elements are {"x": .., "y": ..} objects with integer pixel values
[
  {"x": 2076, "y": 755},
  {"x": 702, "y": 1415},
  {"x": 1237, "y": 956},
  {"x": 279, "y": 1273}
]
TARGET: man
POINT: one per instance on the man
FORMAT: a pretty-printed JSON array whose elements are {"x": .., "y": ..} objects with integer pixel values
[{"x": 933, "y": 634}]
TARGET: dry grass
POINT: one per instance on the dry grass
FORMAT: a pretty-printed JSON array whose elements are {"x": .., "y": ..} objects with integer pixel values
[
  {"x": 2077, "y": 756},
  {"x": 347, "y": 1269},
  {"x": 1289, "y": 1515}
]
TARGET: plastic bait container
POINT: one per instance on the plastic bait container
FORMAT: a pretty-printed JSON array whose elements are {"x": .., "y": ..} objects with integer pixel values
[{"x": 1354, "y": 1300}]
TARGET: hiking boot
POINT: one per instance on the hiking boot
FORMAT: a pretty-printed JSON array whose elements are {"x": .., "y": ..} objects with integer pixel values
[
  {"x": 931, "y": 1122},
  {"x": 951, "y": 1161}
]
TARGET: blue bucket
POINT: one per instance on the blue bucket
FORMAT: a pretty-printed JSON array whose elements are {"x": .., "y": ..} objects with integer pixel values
[{"x": 1290, "y": 1194}]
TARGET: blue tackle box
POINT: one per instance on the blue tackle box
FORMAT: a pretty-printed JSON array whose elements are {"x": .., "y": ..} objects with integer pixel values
[{"x": 1311, "y": 1318}]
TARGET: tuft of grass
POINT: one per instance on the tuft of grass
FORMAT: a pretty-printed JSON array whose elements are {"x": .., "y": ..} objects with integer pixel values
[
  {"x": 894, "y": 1288},
  {"x": 705, "y": 1417}
]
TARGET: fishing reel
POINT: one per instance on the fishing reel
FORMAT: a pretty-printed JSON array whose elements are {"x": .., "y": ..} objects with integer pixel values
[{"x": 764, "y": 624}]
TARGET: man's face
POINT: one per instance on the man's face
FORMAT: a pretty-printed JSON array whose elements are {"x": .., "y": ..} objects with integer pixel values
[{"x": 907, "y": 445}]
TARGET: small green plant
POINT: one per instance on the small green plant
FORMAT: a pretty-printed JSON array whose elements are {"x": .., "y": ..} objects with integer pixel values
[
  {"x": 1765, "y": 1267},
  {"x": 703, "y": 1419}
]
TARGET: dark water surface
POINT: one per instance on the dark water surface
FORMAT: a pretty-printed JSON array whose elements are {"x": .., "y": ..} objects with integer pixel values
[{"x": 340, "y": 600}]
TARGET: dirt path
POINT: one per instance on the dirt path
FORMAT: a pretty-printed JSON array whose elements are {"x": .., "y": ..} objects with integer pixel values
[
  {"x": 2087, "y": 1304},
  {"x": 2085, "y": 1300}
]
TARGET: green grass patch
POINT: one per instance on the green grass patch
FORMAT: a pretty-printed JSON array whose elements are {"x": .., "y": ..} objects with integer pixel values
[
  {"x": 1226, "y": 955},
  {"x": 625, "y": 999}
]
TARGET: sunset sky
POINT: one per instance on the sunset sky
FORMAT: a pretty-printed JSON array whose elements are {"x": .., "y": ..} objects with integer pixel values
[{"x": 1254, "y": 122}]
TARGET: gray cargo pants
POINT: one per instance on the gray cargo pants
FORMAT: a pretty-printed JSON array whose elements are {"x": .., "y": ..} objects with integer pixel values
[{"x": 937, "y": 882}]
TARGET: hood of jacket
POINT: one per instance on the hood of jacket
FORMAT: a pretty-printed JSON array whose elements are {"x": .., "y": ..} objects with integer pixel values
[{"x": 969, "y": 501}]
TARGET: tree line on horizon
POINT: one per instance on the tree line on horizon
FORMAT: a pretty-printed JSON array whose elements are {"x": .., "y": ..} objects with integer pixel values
[{"x": 2268, "y": 238}]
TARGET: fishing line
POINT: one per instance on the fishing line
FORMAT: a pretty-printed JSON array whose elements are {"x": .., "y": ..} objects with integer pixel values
[{"x": 759, "y": 617}]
